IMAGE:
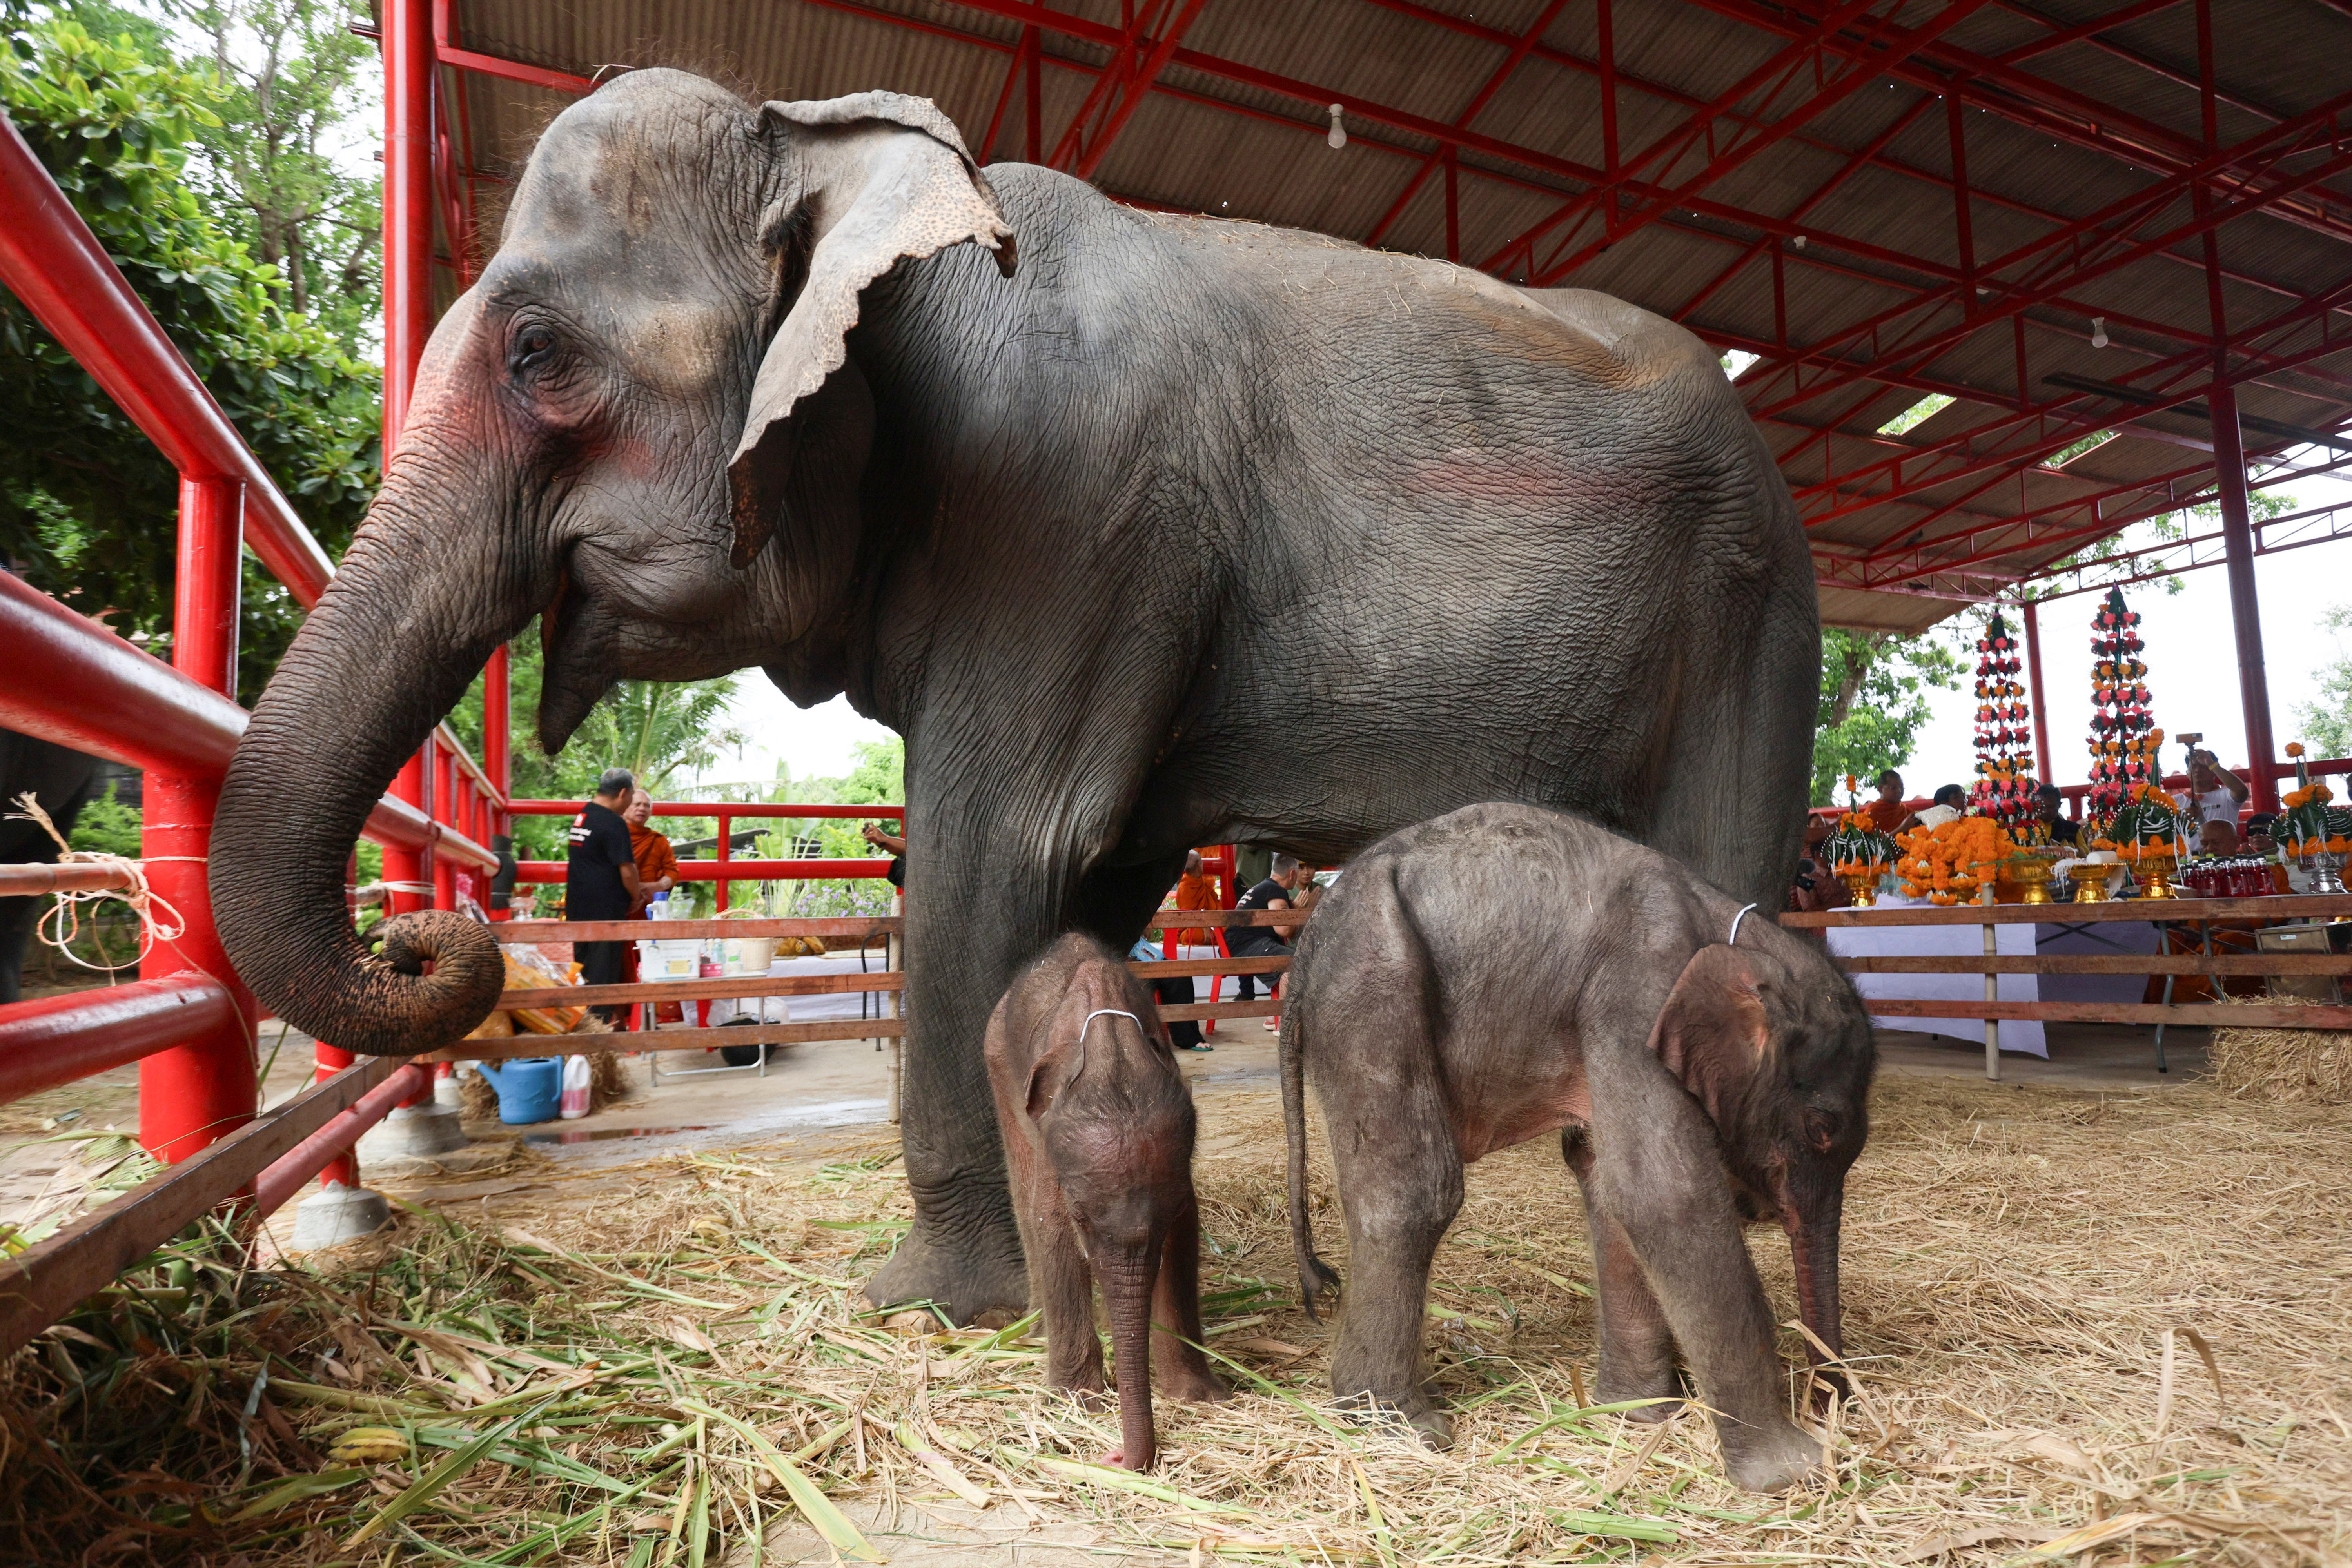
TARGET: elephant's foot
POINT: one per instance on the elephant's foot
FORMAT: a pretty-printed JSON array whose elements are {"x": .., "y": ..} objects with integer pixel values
[
  {"x": 976, "y": 1269},
  {"x": 1770, "y": 1457},
  {"x": 1661, "y": 1385},
  {"x": 1434, "y": 1426},
  {"x": 1193, "y": 1385}
]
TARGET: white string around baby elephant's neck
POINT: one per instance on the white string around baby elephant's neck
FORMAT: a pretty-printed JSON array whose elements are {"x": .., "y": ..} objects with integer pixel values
[{"x": 1114, "y": 1012}]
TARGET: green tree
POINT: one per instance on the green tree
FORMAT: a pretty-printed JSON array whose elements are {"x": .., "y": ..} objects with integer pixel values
[
  {"x": 877, "y": 776},
  {"x": 1873, "y": 700},
  {"x": 292, "y": 80},
  {"x": 86, "y": 501},
  {"x": 2327, "y": 723},
  {"x": 654, "y": 729}
]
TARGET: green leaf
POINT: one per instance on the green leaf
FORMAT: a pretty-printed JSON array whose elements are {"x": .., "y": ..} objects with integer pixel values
[{"x": 294, "y": 1489}]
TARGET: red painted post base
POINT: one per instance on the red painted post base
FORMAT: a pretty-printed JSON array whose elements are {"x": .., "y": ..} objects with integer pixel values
[
  {"x": 193, "y": 1094},
  {"x": 344, "y": 1167}
]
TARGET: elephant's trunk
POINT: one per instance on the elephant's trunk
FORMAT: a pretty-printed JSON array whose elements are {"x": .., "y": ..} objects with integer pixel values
[
  {"x": 1127, "y": 1283},
  {"x": 389, "y": 649},
  {"x": 1812, "y": 1218}
]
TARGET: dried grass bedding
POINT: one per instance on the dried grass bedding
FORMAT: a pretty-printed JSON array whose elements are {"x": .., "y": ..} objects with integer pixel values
[
  {"x": 2313, "y": 1066},
  {"x": 668, "y": 1366}
]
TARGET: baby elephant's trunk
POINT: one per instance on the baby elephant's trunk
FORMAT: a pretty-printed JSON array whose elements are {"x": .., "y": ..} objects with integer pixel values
[
  {"x": 1128, "y": 1280},
  {"x": 1813, "y": 1222}
]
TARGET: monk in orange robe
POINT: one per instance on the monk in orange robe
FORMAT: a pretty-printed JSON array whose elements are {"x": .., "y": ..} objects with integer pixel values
[{"x": 657, "y": 861}]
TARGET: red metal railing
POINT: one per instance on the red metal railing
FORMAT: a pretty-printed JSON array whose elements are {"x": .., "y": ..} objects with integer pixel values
[
  {"x": 724, "y": 868},
  {"x": 189, "y": 1022}
]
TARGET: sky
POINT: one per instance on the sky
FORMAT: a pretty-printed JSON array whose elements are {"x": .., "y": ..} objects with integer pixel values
[{"x": 814, "y": 742}]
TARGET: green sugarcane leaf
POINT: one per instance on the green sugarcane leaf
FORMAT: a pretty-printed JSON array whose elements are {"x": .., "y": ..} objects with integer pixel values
[
  {"x": 297, "y": 1488},
  {"x": 815, "y": 1506},
  {"x": 1129, "y": 1481},
  {"x": 429, "y": 1486}
]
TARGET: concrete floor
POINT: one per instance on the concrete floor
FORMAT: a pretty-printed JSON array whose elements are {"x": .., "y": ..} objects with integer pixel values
[
  {"x": 844, "y": 1084},
  {"x": 816, "y": 1097}
]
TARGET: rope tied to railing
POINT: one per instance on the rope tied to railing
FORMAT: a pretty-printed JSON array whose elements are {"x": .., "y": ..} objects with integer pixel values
[{"x": 62, "y": 924}]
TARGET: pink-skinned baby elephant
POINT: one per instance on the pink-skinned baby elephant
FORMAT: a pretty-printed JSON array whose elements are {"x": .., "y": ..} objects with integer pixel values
[
  {"x": 1098, "y": 1138},
  {"x": 1503, "y": 972}
]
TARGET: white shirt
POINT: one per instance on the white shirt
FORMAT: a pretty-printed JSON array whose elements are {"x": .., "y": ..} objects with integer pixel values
[{"x": 2214, "y": 806}]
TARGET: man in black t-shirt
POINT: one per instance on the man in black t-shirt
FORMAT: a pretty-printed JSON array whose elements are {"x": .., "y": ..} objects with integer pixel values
[
  {"x": 601, "y": 881},
  {"x": 1276, "y": 892}
]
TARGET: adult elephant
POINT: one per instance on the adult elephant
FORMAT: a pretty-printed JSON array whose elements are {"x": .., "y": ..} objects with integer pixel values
[
  {"x": 1182, "y": 531},
  {"x": 61, "y": 782}
]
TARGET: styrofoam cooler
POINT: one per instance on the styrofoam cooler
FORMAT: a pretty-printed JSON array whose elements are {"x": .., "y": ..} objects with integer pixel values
[{"x": 672, "y": 959}]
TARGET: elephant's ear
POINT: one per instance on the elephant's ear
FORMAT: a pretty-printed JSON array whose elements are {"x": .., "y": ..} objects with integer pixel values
[
  {"x": 883, "y": 176},
  {"x": 1054, "y": 1071},
  {"x": 1714, "y": 1031}
]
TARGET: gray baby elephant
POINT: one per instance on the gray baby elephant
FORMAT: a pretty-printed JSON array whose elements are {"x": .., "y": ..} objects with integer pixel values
[
  {"x": 1503, "y": 972},
  {"x": 1098, "y": 1129}
]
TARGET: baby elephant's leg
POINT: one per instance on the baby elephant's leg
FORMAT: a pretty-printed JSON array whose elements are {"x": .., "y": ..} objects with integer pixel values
[
  {"x": 1637, "y": 1349},
  {"x": 1400, "y": 1180},
  {"x": 1179, "y": 1369},
  {"x": 1658, "y": 1173},
  {"x": 1060, "y": 1283}
]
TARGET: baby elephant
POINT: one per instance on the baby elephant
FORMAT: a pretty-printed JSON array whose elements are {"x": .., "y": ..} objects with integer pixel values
[
  {"x": 1488, "y": 976},
  {"x": 1098, "y": 1136}
]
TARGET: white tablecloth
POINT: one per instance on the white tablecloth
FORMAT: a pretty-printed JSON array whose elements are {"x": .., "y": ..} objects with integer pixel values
[
  {"x": 1216, "y": 987},
  {"x": 1942, "y": 942},
  {"x": 841, "y": 1004}
]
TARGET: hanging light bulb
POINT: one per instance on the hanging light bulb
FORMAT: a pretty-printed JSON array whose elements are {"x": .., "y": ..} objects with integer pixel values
[
  {"x": 2098, "y": 331},
  {"x": 1339, "y": 137}
]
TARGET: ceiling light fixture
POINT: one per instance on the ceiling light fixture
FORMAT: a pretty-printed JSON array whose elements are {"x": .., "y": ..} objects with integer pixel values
[
  {"x": 2098, "y": 331},
  {"x": 1339, "y": 137}
]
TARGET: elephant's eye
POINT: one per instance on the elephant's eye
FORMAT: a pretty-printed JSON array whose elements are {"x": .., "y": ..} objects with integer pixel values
[{"x": 534, "y": 347}]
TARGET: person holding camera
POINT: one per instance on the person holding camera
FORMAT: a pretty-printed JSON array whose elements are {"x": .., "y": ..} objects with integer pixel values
[{"x": 2214, "y": 793}]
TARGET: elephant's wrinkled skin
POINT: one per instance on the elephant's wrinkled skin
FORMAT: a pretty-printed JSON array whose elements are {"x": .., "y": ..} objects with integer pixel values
[
  {"x": 1186, "y": 531},
  {"x": 1098, "y": 1128},
  {"x": 1506, "y": 972}
]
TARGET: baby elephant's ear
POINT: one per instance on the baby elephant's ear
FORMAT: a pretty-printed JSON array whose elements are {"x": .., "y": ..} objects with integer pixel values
[
  {"x": 880, "y": 176},
  {"x": 1054, "y": 1073},
  {"x": 1713, "y": 1028}
]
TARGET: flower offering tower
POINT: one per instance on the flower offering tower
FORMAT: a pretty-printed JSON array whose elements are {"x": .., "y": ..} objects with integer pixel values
[
  {"x": 2005, "y": 783},
  {"x": 2123, "y": 743}
]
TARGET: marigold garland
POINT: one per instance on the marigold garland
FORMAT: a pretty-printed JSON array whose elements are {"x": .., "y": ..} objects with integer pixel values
[{"x": 1947, "y": 863}]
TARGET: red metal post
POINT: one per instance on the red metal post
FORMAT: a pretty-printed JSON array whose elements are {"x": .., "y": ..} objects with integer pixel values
[
  {"x": 194, "y": 1093},
  {"x": 444, "y": 810},
  {"x": 407, "y": 322},
  {"x": 407, "y": 205},
  {"x": 2033, "y": 618},
  {"x": 2245, "y": 611},
  {"x": 726, "y": 853}
]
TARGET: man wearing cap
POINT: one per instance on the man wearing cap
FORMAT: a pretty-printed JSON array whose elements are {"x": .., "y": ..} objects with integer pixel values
[{"x": 601, "y": 881}]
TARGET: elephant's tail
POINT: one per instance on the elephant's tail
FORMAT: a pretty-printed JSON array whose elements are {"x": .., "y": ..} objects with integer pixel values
[{"x": 1314, "y": 1276}]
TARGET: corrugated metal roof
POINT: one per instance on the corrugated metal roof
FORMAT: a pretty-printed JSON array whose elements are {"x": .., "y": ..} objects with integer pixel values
[{"x": 1235, "y": 124}]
